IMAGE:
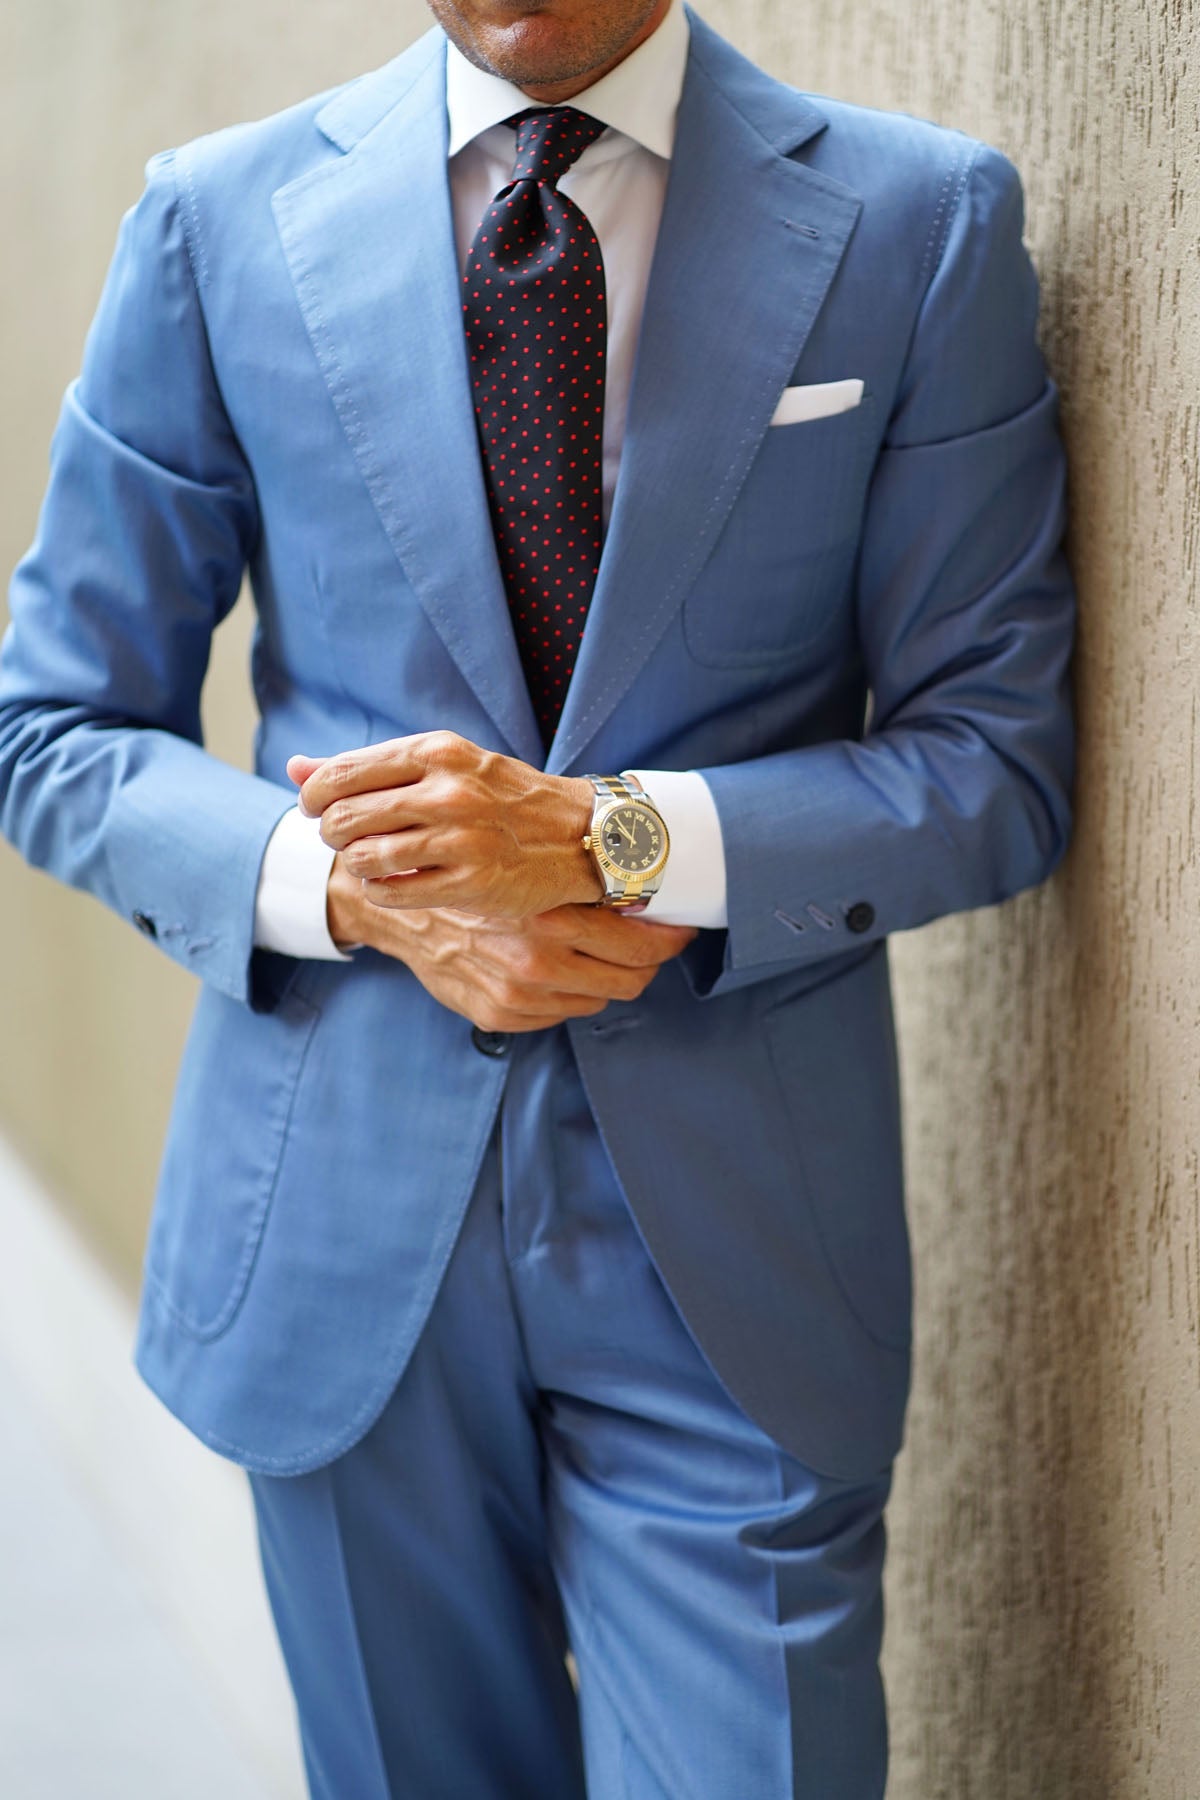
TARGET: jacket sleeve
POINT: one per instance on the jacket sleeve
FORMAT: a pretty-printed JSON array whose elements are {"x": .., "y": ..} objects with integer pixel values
[
  {"x": 144, "y": 534},
  {"x": 958, "y": 794}
]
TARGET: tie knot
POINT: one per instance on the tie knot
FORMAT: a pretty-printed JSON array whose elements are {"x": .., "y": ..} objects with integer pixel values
[{"x": 550, "y": 139}]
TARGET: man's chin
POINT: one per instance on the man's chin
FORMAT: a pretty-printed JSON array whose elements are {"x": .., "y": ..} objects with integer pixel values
[
  {"x": 533, "y": 51},
  {"x": 529, "y": 42}
]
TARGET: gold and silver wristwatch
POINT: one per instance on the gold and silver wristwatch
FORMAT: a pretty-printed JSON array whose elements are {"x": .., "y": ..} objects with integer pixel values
[{"x": 628, "y": 841}]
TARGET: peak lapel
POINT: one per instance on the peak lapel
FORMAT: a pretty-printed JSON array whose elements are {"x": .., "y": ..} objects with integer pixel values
[
  {"x": 748, "y": 246},
  {"x": 369, "y": 242}
]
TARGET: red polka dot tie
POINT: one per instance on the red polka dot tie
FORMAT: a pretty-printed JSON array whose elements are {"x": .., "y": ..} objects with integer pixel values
[{"x": 535, "y": 313}]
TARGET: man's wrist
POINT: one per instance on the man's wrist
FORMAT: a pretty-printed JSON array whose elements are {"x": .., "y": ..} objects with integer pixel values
[{"x": 586, "y": 886}]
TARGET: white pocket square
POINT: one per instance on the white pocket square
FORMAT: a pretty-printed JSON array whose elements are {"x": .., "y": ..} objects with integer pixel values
[{"x": 816, "y": 400}]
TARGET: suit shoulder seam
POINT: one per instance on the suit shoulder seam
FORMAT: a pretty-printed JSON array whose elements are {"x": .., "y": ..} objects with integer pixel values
[
  {"x": 949, "y": 199},
  {"x": 189, "y": 218}
]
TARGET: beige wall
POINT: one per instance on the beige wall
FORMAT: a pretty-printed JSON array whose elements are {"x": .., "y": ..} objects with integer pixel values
[
  {"x": 1043, "y": 1635},
  {"x": 91, "y": 1018}
]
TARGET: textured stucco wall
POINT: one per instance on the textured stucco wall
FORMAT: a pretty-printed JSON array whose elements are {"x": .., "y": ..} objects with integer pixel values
[{"x": 1044, "y": 1634}]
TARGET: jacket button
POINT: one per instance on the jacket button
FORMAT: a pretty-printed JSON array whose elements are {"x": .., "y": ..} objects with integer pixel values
[
  {"x": 491, "y": 1043},
  {"x": 860, "y": 916},
  {"x": 146, "y": 924}
]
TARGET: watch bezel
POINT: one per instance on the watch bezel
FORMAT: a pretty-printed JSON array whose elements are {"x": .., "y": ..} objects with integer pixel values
[{"x": 613, "y": 869}]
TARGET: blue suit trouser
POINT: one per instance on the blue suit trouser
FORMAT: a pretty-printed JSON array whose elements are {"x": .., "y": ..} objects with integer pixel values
[{"x": 559, "y": 1468}]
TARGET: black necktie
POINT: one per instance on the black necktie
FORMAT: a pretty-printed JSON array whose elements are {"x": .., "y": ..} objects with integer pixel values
[{"x": 535, "y": 312}]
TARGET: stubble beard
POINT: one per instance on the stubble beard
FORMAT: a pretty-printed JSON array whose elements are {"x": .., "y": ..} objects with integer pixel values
[{"x": 529, "y": 57}]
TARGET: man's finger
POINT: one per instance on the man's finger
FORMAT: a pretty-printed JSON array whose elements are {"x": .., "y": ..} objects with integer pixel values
[
  {"x": 382, "y": 854},
  {"x": 393, "y": 763},
  {"x": 626, "y": 940},
  {"x": 357, "y": 818},
  {"x": 569, "y": 1007},
  {"x": 551, "y": 970},
  {"x": 421, "y": 888}
]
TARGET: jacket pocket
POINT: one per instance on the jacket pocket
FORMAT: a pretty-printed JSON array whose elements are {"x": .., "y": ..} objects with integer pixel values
[
  {"x": 233, "y": 1104},
  {"x": 784, "y": 563},
  {"x": 834, "y": 1057}
]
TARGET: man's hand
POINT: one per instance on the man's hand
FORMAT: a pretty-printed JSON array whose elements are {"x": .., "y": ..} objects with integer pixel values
[
  {"x": 433, "y": 820},
  {"x": 505, "y": 974}
]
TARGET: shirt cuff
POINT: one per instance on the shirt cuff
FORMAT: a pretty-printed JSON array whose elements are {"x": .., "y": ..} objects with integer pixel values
[
  {"x": 289, "y": 911},
  {"x": 693, "y": 885}
]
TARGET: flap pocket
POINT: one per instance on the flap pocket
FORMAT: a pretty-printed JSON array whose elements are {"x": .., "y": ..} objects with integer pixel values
[
  {"x": 233, "y": 1103},
  {"x": 834, "y": 1055}
]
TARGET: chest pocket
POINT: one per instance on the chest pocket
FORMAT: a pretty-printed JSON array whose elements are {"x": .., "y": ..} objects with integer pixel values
[{"x": 782, "y": 566}]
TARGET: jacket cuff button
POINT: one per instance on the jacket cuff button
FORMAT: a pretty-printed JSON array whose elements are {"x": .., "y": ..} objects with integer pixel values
[
  {"x": 860, "y": 916},
  {"x": 491, "y": 1043},
  {"x": 146, "y": 924}
]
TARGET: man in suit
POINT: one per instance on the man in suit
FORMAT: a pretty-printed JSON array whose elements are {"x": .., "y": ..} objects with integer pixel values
[{"x": 651, "y": 494}]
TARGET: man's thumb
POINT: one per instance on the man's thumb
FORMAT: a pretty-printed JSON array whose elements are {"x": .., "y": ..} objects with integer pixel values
[{"x": 299, "y": 768}]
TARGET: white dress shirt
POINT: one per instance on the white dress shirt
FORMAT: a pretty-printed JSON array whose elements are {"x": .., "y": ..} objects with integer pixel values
[{"x": 620, "y": 183}]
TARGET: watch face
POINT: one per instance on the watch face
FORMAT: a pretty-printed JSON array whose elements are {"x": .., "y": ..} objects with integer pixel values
[{"x": 632, "y": 839}]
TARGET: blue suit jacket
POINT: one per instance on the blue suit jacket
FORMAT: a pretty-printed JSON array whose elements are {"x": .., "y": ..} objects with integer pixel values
[{"x": 857, "y": 627}]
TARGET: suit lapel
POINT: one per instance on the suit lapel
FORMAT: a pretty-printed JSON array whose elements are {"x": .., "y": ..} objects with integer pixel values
[
  {"x": 749, "y": 244},
  {"x": 369, "y": 243},
  {"x": 747, "y": 249}
]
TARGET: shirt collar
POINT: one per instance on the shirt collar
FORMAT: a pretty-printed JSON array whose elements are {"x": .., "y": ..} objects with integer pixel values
[{"x": 640, "y": 97}]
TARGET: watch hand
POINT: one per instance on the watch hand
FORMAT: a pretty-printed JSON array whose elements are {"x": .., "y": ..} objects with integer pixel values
[{"x": 625, "y": 833}]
